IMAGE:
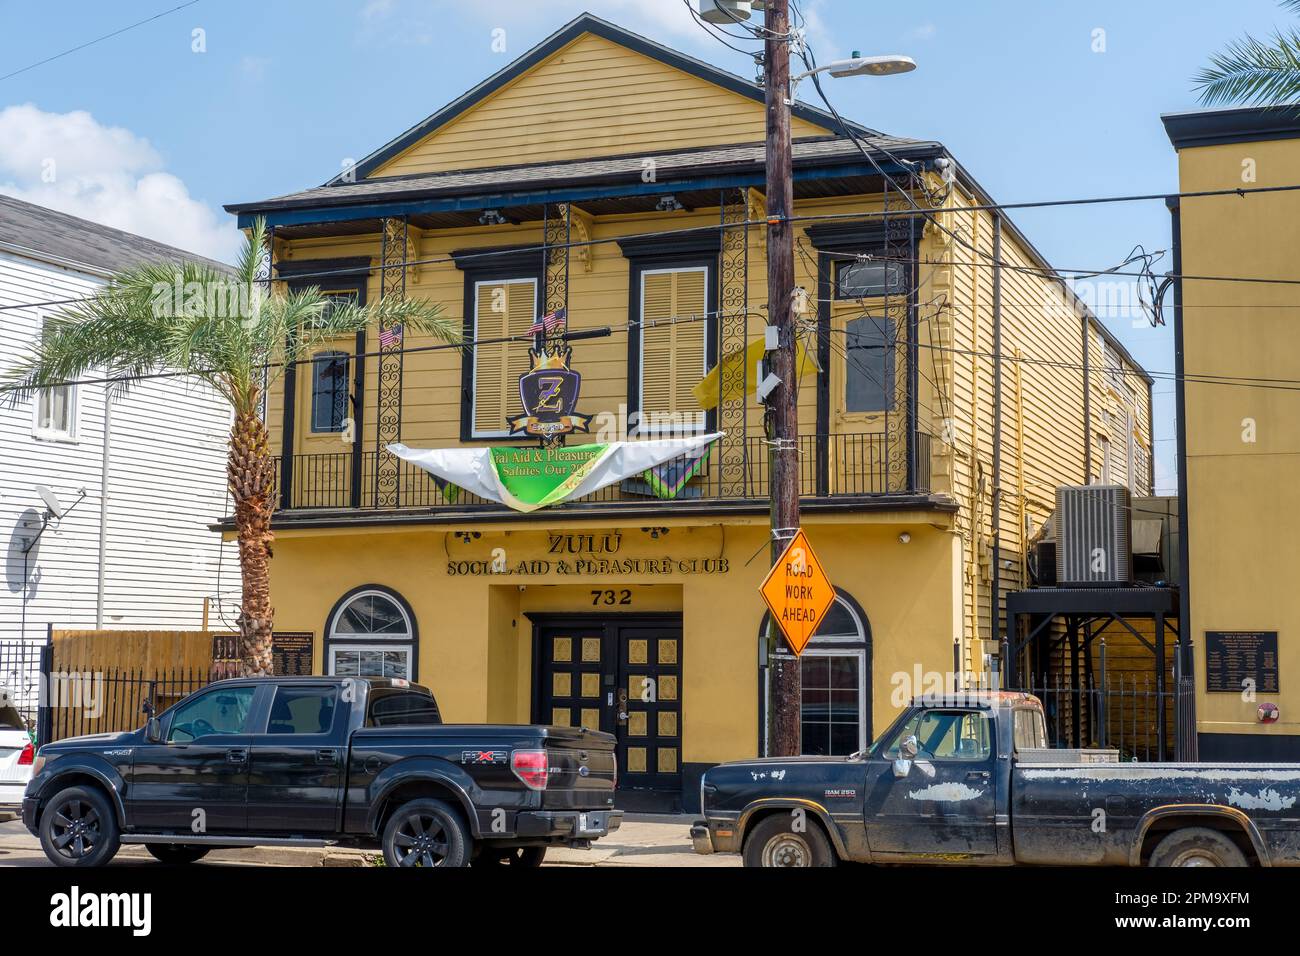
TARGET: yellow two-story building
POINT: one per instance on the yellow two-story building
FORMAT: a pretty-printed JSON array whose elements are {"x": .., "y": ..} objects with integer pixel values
[
  {"x": 952, "y": 381},
  {"x": 1239, "y": 423}
]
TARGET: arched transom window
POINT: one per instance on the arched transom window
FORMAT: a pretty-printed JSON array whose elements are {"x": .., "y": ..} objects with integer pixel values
[{"x": 371, "y": 635}]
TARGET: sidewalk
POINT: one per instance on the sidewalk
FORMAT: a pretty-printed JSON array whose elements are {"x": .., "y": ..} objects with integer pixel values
[{"x": 643, "y": 840}]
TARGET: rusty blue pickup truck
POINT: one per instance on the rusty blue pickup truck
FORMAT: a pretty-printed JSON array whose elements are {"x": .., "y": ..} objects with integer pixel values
[{"x": 969, "y": 780}]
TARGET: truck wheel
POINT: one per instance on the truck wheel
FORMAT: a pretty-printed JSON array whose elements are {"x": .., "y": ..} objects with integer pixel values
[
  {"x": 774, "y": 842},
  {"x": 425, "y": 833},
  {"x": 524, "y": 856},
  {"x": 79, "y": 828},
  {"x": 1197, "y": 846},
  {"x": 177, "y": 854}
]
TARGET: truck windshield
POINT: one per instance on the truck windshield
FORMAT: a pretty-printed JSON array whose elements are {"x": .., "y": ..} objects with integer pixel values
[{"x": 947, "y": 735}]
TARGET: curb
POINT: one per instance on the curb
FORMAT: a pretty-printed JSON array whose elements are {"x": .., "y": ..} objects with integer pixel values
[{"x": 279, "y": 856}]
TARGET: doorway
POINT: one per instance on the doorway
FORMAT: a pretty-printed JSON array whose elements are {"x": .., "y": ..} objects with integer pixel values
[{"x": 622, "y": 674}]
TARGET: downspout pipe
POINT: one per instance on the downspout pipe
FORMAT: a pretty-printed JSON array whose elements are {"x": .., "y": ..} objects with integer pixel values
[
  {"x": 1180, "y": 400},
  {"x": 105, "y": 475},
  {"x": 996, "y": 575}
]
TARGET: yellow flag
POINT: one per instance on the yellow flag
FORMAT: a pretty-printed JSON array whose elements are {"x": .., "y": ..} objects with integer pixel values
[{"x": 706, "y": 392}]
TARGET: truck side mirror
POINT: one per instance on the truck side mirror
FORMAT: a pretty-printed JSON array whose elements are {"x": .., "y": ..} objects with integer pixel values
[
  {"x": 153, "y": 730},
  {"x": 902, "y": 767},
  {"x": 909, "y": 747}
]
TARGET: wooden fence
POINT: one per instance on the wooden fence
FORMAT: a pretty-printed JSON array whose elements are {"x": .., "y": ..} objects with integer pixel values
[{"x": 98, "y": 681}]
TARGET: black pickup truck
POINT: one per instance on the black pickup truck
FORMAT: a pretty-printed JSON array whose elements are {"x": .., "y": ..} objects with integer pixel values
[
  {"x": 970, "y": 781},
  {"x": 315, "y": 760}
]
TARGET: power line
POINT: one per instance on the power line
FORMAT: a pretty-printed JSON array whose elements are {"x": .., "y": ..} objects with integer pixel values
[
  {"x": 1051, "y": 273},
  {"x": 106, "y": 36},
  {"x": 439, "y": 347}
]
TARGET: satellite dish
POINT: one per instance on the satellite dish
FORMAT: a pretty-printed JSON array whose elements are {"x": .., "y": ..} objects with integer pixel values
[{"x": 51, "y": 500}]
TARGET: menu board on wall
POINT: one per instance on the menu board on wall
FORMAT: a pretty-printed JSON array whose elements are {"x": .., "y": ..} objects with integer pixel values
[
  {"x": 291, "y": 653},
  {"x": 1234, "y": 657}
]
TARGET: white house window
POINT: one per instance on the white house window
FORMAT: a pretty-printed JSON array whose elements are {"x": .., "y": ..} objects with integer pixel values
[
  {"x": 55, "y": 412},
  {"x": 371, "y": 635}
]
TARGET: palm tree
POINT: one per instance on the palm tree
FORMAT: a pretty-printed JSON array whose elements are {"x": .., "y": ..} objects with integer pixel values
[
  {"x": 224, "y": 328},
  {"x": 1253, "y": 71}
]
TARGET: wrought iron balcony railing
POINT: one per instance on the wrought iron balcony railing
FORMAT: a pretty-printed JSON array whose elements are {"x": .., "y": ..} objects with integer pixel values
[{"x": 830, "y": 466}]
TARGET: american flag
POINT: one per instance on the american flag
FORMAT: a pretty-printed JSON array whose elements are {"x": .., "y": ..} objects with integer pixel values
[
  {"x": 549, "y": 322},
  {"x": 390, "y": 336}
]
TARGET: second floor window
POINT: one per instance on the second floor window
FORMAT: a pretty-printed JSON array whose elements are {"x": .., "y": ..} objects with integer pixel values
[
  {"x": 674, "y": 354},
  {"x": 329, "y": 391},
  {"x": 502, "y": 309}
]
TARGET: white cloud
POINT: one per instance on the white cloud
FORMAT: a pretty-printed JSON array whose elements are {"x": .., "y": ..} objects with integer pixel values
[
  {"x": 926, "y": 31},
  {"x": 107, "y": 174}
]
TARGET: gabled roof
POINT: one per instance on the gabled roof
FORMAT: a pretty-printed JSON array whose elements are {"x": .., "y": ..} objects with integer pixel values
[
  {"x": 38, "y": 233},
  {"x": 586, "y": 23}
]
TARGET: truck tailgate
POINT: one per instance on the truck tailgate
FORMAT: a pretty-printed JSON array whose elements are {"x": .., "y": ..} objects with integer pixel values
[{"x": 582, "y": 769}]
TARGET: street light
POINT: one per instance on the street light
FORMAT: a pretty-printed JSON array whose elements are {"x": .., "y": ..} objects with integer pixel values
[{"x": 859, "y": 65}]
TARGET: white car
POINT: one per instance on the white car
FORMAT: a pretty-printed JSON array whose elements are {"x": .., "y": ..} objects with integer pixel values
[{"x": 16, "y": 756}]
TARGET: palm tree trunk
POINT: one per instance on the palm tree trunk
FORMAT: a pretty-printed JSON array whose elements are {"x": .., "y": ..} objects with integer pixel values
[{"x": 250, "y": 475}]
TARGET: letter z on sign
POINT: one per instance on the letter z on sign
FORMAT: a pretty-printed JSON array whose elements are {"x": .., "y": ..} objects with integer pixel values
[{"x": 798, "y": 592}]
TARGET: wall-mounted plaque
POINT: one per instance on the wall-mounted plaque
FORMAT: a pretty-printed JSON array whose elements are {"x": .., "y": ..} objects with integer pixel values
[
  {"x": 1233, "y": 657},
  {"x": 291, "y": 653}
]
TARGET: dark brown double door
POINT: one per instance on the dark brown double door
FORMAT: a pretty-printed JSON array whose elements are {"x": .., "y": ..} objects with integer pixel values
[{"x": 621, "y": 674}]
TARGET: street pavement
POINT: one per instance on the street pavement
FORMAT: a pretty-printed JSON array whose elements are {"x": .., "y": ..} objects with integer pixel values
[{"x": 643, "y": 840}]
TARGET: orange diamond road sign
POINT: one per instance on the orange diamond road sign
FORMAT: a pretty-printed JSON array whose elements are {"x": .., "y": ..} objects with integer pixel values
[{"x": 798, "y": 592}]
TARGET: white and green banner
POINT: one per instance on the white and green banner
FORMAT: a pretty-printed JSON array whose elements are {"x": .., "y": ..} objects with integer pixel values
[{"x": 527, "y": 478}]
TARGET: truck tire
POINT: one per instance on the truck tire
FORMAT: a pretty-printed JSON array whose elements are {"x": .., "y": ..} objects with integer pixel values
[
  {"x": 177, "y": 854},
  {"x": 1197, "y": 846},
  {"x": 773, "y": 841},
  {"x": 79, "y": 828},
  {"x": 426, "y": 832}
]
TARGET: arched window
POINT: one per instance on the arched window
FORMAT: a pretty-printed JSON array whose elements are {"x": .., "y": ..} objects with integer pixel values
[
  {"x": 371, "y": 633},
  {"x": 836, "y": 674}
]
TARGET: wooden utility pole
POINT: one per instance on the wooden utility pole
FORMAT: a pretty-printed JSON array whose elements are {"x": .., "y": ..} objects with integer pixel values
[{"x": 782, "y": 415}]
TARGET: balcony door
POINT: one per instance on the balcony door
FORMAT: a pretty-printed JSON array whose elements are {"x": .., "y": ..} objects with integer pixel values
[
  {"x": 866, "y": 314},
  {"x": 322, "y": 434}
]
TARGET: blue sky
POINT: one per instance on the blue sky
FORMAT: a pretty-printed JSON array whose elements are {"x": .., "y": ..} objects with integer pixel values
[{"x": 154, "y": 129}]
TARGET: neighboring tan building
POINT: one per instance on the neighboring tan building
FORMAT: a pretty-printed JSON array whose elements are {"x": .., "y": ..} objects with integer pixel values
[
  {"x": 566, "y": 181},
  {"x": 1239, "y": 441}
]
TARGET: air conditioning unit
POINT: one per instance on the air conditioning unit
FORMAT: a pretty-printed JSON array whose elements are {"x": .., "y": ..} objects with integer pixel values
[{"x": 1093, "y": 536}]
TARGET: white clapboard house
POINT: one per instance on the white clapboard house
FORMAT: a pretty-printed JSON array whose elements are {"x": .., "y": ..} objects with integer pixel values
[{"x": 127, "y": 484}]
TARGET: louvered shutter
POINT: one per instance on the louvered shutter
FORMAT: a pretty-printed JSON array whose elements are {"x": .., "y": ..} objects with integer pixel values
[
  {"x": 501, "y": 309},
  {"x": 672, "y": 352}
]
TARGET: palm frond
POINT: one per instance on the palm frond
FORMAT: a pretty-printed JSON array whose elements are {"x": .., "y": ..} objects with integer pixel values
[
  {"x": 1254, "y": 72},
  {"x": 250, "y": 257},
  {"x": 1292, "y": 5}
]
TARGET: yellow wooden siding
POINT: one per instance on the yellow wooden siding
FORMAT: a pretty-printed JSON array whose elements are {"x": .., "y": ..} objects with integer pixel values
[
  {"x": 672, "y": 347},
  {"x": 591, "y": 98},
  {"x": 502, "y": 309}
]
